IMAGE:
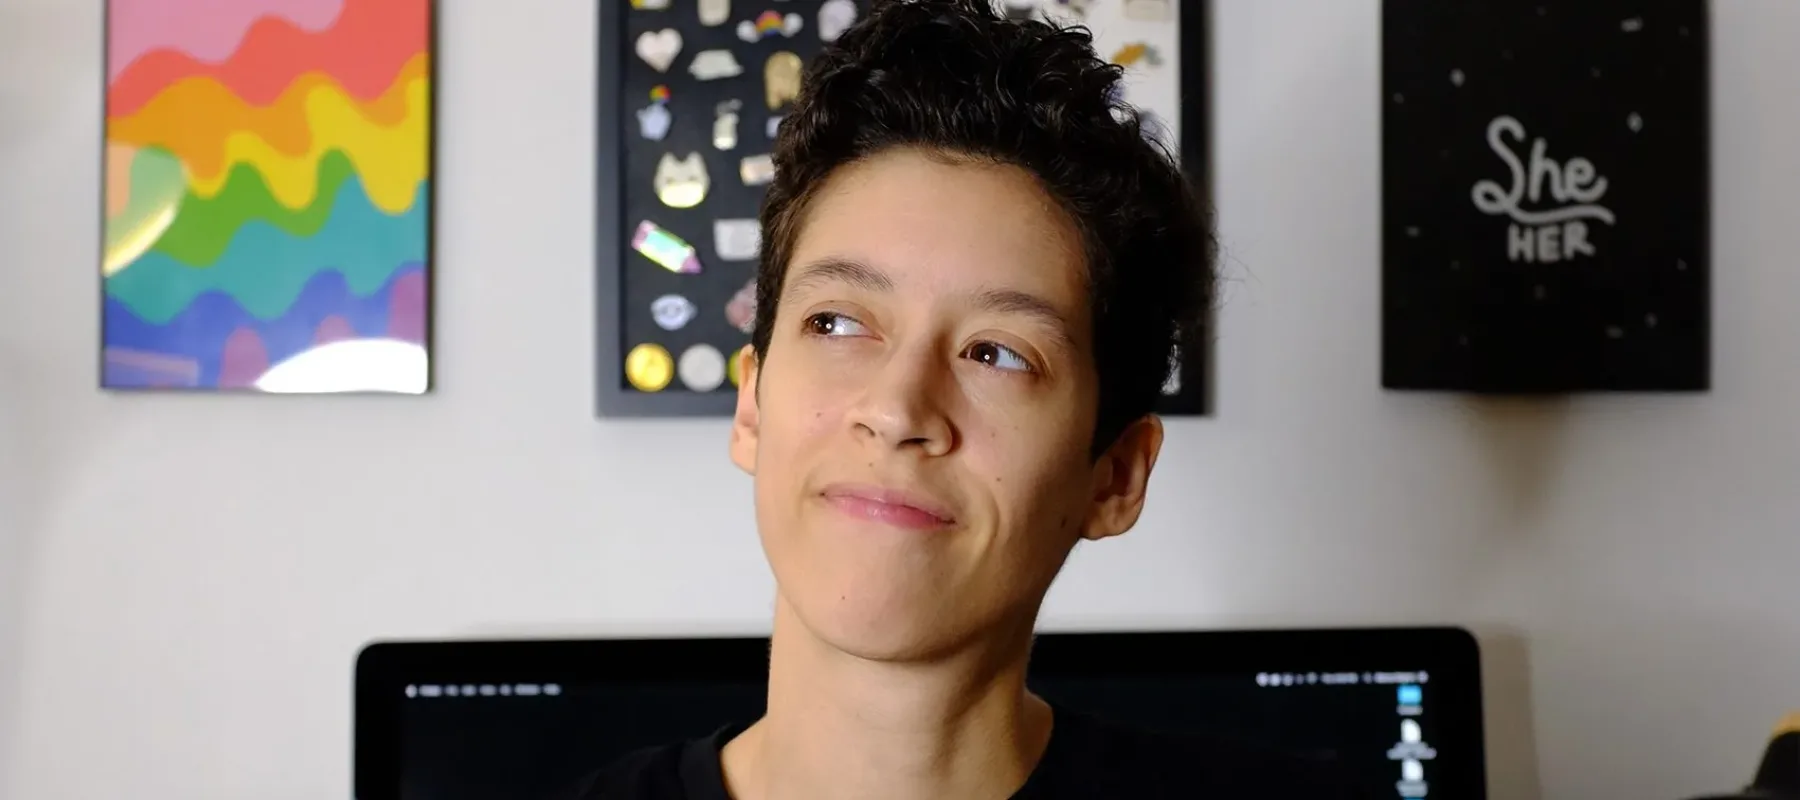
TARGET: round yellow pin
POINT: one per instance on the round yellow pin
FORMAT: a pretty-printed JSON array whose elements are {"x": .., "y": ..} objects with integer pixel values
[
  {"x": 731, "y": 367},
  {"x": 649, "y": 367}
]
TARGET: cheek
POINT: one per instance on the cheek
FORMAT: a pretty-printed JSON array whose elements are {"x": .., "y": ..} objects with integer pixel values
[
  {"x": 1035, "y": 473},
  {"x": 800, "y": 406}
]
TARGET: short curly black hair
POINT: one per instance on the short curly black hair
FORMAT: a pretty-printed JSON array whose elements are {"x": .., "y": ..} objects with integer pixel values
[{"x": 959, "y": 78}]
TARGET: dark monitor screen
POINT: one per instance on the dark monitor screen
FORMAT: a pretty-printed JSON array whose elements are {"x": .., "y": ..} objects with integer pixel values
[{"x": 489, "y": 720}]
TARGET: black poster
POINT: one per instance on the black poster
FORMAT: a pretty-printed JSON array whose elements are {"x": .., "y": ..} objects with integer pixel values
[{"x": 1545, "y": 195}]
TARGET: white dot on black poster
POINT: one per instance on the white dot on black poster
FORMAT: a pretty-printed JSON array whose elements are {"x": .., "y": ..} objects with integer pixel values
[
  {"x": 1634, "y": 122},
  {"x": 1456, "y": 77},
  {"x": 1615, "y": 332},
  {"x": 1631, "y": 25},
  {"x": 1649, "y": 320},
  {"x": 1399, "y": 98}
]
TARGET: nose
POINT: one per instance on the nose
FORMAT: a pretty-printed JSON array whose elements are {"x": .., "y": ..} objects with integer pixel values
[{"x": 903, "y": 405}]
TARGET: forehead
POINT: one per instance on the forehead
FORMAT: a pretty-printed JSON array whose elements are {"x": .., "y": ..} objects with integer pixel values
[{"x": 933, "y": 223}]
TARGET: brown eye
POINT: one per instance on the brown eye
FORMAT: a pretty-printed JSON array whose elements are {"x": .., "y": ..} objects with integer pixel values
[
  {"x": 998, "y": 356},
  {"x": 829, "y": 323}
]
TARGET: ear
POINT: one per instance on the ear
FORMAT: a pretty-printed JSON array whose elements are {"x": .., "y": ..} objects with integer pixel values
[
  {"x": 1121, "y": 475},
  {"x": 747, "y": 420}
]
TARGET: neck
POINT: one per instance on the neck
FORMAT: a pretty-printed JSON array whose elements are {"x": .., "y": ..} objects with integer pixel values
[{"x": 839, "y": 726}]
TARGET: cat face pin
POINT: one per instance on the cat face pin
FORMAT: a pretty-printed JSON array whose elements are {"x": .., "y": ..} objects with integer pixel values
[{"x": 681, "y": 182}]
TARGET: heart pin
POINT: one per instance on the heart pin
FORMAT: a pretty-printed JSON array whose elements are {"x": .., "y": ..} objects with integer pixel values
[{"x": 659, "y": 48}]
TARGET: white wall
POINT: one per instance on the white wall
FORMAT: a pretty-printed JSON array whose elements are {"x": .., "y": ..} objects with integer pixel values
[{"x": 184, "y": 580}]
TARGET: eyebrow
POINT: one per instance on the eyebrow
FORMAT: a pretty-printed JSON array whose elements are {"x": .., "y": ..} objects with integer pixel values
[
  {"x": 1014, "y": 302},
  {"x": 841, "y": 270},
  {"x": 994, "y": 301}
]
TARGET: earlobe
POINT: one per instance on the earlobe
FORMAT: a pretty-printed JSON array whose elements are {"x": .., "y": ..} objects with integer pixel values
[
  {"x": 746, "y": 421},
  {"x": 1122, "y": 477}
]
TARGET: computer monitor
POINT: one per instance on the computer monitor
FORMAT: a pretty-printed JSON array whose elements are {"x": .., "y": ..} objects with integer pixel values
[{"x": 502, "y": 720}]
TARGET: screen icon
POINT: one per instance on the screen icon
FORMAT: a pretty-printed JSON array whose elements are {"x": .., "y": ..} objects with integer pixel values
[
  {"x": 1262, "y": 679},
  {"x": 1411, "y": 694},
  {"x": 412, "y": 691},
  {"x": 1410, "y": 732},
  {"x": 1412, "y": 770}
]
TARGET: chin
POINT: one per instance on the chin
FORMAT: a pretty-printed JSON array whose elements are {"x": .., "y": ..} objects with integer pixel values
[
  {"x": 909, "y": 642},
  {"x": 893, "y": 626}
]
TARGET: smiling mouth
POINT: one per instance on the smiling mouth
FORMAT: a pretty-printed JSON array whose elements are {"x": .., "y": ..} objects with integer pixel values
[{"x": 892, "y": 508}]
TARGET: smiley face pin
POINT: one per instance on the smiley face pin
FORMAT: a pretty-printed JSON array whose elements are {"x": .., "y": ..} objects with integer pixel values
[{"x": 649, "y": 367}]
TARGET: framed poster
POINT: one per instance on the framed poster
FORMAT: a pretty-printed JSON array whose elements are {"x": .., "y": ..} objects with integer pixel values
[
  {"x": 267, "y": 197},
  {"x": 690, "y": 94},
  {"x": 1545, "y": 196}
]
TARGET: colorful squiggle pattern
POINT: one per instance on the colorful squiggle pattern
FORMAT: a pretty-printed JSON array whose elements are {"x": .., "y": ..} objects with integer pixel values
[{"x": 267, "y": 187}]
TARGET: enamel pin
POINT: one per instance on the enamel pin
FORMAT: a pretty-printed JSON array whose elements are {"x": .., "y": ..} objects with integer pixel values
[{"x": 681, "y": 182}]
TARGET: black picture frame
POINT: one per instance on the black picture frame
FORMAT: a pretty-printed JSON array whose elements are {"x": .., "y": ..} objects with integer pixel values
[{"x": 617, "y": 98}]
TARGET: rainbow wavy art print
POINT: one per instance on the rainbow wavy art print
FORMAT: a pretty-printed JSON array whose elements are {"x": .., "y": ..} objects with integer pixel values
[{"x": 267, "y": 195}]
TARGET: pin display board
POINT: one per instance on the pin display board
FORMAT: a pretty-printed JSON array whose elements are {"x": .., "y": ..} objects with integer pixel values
[
  {"x": 690, "y": 94},
  {"x": 1545, "y": 196}
]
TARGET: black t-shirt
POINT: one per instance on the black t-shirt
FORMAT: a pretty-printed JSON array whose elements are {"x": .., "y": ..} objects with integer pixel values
[{"x": 1086, "y": 760}]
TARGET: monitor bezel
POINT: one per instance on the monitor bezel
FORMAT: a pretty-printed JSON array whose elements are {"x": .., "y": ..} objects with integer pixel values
[{"x": 1450, "y": 654}]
